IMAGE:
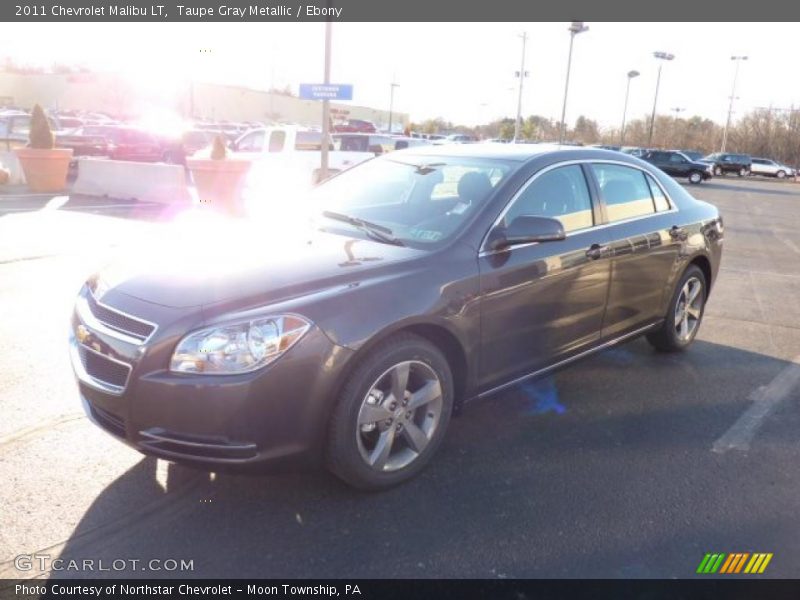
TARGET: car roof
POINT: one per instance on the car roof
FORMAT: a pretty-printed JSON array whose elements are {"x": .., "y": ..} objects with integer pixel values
[{"x": 516, "y": 152}]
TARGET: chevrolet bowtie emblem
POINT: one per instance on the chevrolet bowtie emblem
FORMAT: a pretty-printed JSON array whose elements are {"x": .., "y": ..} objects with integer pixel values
[{"x": 82, "y": 334}]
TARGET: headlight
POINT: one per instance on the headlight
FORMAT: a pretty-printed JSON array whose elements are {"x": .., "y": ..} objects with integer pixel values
[{"x": 237, "y": 347}]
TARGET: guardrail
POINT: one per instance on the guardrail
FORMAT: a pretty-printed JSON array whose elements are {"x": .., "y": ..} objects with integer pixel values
[{"x": 152, "y": 182}]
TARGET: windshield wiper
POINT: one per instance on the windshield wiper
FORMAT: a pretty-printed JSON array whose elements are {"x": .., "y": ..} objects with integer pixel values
[{"x": 379, "y": 232}]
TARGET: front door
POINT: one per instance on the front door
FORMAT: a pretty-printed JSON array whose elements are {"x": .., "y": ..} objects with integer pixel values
[{"x": 544, "y": 301}]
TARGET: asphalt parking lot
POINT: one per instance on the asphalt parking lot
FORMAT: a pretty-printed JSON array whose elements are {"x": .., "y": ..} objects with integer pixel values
[{"x": 629, "y": 464}]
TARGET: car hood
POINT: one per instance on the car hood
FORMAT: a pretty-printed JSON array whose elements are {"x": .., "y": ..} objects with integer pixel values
[{"x": 252, "y": 266}]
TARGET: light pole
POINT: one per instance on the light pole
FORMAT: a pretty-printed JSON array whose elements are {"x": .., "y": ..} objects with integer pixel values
[
  {"x": 326, "y": 107},
  {"x": 574, "y": 29},
  {"x": 391, "y": 102},
  {"x": 631, "y": 75},
  {"x": 677, "y": 110},
  {"x": 737, "y": 60},
  {"x": 661, "y": 56},
  {"x": 522, "y": 74}
]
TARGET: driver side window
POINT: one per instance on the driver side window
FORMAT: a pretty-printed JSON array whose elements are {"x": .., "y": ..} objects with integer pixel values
[{"x": 561, "y": 194}]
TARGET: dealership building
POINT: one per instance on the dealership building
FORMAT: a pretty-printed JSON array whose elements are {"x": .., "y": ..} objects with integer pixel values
[{"x": 114, "y": 95}]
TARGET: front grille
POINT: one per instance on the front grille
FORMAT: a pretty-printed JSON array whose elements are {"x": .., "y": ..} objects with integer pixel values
[
  {"x": 103, "y": 369},
  {"x": 108, "y": 421},
  {"x": 119, "y": 321}
]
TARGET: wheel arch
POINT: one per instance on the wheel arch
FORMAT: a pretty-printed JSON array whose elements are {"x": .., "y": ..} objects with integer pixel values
[
  {"x": 442, "y": 337},
  {"x": 702, "y": 262}
]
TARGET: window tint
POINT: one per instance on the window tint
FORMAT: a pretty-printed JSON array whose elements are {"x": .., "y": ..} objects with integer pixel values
[
  {"x": 562, "y": 194},
  {"x": 252, "y": 142},
  {"x": 676, "y": 158},
  {"x": 625, "y": 191},
  {"x": 276, "y": 141},
  {"x": 659, "y": 198}
]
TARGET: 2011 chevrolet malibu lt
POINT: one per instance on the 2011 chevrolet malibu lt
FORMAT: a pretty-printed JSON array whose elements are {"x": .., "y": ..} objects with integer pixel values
[{"x": 420, "y": 280}]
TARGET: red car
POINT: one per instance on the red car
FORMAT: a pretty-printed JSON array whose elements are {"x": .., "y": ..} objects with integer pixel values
[
  {"x": 127, "y": 143},
  {"x": 356, "y": 126}
]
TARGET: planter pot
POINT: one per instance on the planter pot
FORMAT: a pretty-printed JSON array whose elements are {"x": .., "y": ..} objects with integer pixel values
[
  {"x": 45, "y": 170},
  {"x": 219, "y": 183}
]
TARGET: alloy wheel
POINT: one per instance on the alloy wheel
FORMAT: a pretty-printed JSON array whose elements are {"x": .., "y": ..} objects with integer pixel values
[
  {"x": 399, "y": 416},
  {"x": 689, "y": 309}
]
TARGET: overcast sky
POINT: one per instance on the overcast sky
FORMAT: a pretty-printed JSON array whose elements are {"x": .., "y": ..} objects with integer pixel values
[{"x": 463, "y": 72}]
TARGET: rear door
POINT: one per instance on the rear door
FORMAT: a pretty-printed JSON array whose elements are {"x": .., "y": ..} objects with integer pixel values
[
  {"x": 644, "y": 246},
  {"x": 541, "y": 302}
]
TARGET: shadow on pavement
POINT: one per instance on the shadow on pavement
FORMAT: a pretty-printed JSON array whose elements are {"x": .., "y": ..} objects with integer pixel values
[
  {"x": 788, "y": 188},
  {"x": 621, "y": 483}
]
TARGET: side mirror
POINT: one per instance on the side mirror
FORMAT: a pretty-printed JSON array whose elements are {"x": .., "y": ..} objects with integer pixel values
[{"x": 526, "y": 229}]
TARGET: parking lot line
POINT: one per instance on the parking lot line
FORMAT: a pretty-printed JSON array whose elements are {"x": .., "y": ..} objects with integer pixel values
[{"x": 765, "y": 400}]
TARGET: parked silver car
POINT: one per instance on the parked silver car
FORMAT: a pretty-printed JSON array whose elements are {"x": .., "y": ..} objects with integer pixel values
[{"x": 770, "y": 168}]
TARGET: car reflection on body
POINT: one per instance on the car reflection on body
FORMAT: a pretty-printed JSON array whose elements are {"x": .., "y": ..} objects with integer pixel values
[{"x": 426, "y": 278}]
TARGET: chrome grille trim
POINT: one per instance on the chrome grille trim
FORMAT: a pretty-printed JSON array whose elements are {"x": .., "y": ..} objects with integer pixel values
[
  {"x": 80, "y": 370},
  {"x": 95, "y": 321}
]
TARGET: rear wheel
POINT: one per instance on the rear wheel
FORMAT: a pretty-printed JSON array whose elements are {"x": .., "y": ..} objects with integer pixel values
[
  {"x": 684, "y": 314},
  {"x": 695, "y": 177},
  {"x": 743, "y": 172},
  {"x": 391, "y": 415}
]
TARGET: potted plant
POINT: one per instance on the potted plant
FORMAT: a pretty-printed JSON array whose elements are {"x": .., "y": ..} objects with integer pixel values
[
  {"x": 44, "y": 165},
  {"x": 219, "y": 179}
]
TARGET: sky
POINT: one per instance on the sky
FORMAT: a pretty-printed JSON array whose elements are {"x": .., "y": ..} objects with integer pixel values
[{"x": 462, "y": 72}]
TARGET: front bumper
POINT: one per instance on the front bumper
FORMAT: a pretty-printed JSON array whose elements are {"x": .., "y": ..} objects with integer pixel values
[{"x": 277, "y": 415}]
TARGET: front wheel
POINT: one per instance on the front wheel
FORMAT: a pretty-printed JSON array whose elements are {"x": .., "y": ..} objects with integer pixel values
[
  {"x": 695, "y": 177},
  {"x": 718, "y": 171},
  {"x": 743, "y": 172},
  {"x": 392, "y": 414},
  {"x": 684, "y": 314},
  {"x": 780, "y": 174}
]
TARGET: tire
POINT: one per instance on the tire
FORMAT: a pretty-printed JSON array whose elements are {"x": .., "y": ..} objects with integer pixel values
[
  {"x": 718, "y": 171},
  {"x": 695, "y": 177},
  {"x": 780, "y": 174},
  {"x": 743, "y": 172},
  {"x": 367, "y": 417},
  {"x": 669, "y": 338}
]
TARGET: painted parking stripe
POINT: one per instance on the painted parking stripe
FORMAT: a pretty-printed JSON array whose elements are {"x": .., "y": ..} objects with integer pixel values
[{"x": 765, "y": 401}]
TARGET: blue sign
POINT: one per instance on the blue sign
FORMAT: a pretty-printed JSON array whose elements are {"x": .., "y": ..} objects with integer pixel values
[{"x": 326, "y": 91}]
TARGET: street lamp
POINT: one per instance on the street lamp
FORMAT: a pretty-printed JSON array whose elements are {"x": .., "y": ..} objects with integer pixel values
[
  {"x": 574, "y": 29},
  {"x": 737, "y": 60},
  {"x": 522, "y": 74},
  {"x": 391, "y": 102},
  {"x": 631, "y": 75},
  {"x": 661, "y": 56},
  {"x": 677, "y": 110}
]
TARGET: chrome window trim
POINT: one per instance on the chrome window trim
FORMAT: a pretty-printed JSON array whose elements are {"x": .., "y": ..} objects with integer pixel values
[
  {"x": 94, "y": 322},
  {"x": 673, "y": 207},
  {"x": 83, "y": 376}
]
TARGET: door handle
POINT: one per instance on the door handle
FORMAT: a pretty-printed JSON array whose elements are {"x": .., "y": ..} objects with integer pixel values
[
  {"x": 677, "y": 233},
  {"x": 596, "y": 251}
]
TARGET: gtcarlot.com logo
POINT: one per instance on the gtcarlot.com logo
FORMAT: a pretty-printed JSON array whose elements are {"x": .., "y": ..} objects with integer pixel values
[{"x": 737, "y": 562}]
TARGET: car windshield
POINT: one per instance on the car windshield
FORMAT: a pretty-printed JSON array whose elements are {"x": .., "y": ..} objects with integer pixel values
[{"x": 421, "y": 200}]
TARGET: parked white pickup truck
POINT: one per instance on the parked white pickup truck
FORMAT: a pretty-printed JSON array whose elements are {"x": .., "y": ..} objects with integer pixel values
[{"x": 294, "y": 149}]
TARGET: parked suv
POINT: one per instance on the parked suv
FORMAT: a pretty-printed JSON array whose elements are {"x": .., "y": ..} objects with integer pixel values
[
  {"x": 678, "y": 164},
  {"x": 724, "y": 162},
  {"x": 770, "y": 168}
]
